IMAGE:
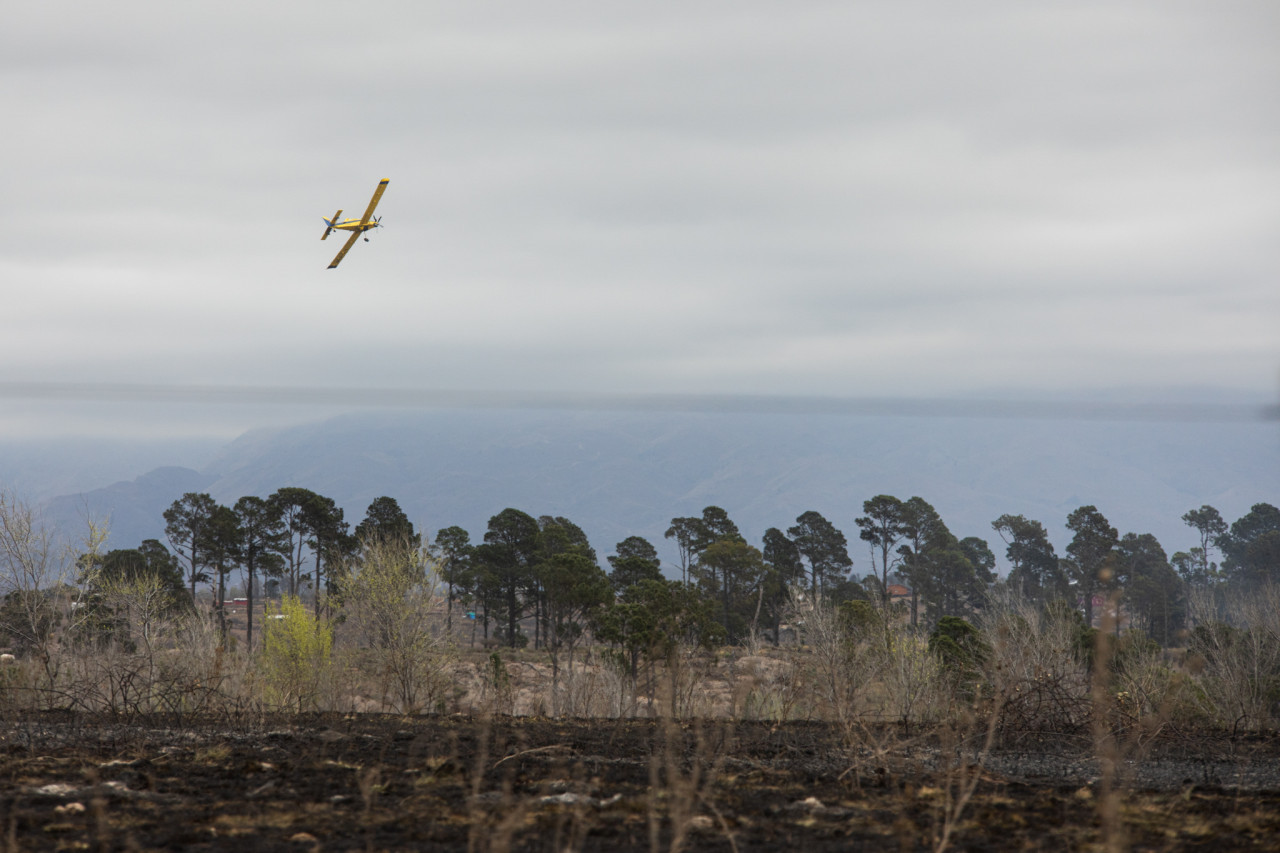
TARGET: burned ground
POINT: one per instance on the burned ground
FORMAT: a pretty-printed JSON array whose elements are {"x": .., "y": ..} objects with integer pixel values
[{"x": 375, "y": 782}]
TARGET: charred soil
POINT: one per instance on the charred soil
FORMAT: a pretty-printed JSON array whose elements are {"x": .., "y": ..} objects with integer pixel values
[{"x": 376, "y": 782}]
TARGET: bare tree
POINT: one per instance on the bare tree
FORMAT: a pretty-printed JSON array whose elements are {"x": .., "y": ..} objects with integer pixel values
[
  {"x": 36, "y": 571},
  {"x": 1239, "y": 661},
  {"x": 1036, "y": 664},
  {"x": 388, "y": 596},
  {"x": 845, "y": 653}
]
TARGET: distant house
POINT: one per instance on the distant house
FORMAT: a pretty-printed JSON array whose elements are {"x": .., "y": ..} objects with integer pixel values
[{"x": 901, "y": 595}]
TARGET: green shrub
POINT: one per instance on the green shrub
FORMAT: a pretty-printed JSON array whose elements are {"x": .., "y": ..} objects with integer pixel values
[{"x": 296, "y": 655}]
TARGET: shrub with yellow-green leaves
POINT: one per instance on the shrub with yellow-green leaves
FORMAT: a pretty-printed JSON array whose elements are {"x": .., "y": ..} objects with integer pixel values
[{"x": 296, "y": 656}]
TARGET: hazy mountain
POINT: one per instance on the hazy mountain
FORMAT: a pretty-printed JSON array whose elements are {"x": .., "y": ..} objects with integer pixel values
[
  {"x": 132, "y": 509},
  {"x": 44, "y": 468},
  {"x": 618, "y": 474}
]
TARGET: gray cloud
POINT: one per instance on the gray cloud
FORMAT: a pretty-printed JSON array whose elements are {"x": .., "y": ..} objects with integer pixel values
[{"x": 760, "y": 198}]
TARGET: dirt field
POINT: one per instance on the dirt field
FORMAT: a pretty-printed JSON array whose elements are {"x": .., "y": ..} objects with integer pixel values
[{"x": 371, "y": 782}]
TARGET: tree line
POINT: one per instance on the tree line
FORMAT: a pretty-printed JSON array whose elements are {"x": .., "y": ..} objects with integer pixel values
[{"x": 541, "y": 575}]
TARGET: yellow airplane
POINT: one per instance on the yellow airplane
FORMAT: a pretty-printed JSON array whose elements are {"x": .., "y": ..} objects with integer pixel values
[{"x": 356, "y": 226}]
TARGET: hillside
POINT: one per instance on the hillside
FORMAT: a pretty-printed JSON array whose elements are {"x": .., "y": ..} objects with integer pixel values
[{"x": 619, "y": 474}]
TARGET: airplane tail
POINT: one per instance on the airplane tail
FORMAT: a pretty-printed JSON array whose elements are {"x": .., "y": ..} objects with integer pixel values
[{"x": 330, "y": 223}]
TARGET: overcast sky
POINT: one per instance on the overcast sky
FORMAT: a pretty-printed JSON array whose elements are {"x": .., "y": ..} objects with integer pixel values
[{"x": 902, "y": 198}]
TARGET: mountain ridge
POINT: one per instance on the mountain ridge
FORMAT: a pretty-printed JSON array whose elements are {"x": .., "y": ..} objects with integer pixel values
[{"x": 621, "y": 474}]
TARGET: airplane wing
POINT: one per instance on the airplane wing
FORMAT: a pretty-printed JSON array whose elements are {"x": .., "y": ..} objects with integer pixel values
[
  {"x": 377, "y": 195},
  {"x": 355, "y": 235}
]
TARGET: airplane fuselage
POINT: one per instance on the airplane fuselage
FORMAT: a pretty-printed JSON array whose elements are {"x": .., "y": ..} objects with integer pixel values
[{"x": 351, "y": 225}]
